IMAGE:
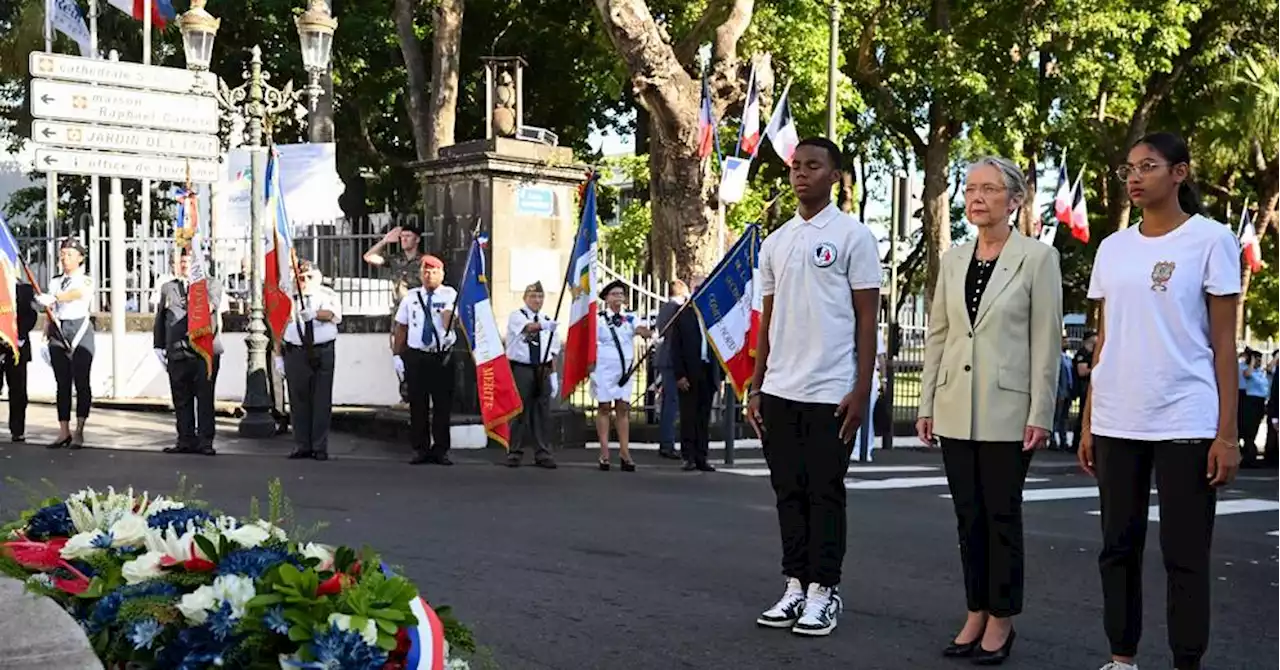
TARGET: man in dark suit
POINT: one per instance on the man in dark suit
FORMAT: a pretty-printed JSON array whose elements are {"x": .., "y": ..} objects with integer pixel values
[
  {"x": 1273, "y": 417},
  {"x": 696, "y": 373},
  {"x": 15, "y": 366},
  {"x": 679, "y": 293}
]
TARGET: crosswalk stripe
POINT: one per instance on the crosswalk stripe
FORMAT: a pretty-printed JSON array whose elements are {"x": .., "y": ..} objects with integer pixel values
[
  {"x": 903, "y": 483},
  {"x": 853, "y": 469},
  {"x": 1274, "y": 533},
  {"x": 1065, "y": 493},
  {"x": 1224, "y": 508}
]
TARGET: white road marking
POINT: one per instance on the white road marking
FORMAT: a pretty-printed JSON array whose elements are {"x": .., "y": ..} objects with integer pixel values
[
  {"x": 1224, "y": 508},
  {"x": 1274, "y": 533},
  {"x": 853, "y": 469},
  {"x": 903, "y": 483}
]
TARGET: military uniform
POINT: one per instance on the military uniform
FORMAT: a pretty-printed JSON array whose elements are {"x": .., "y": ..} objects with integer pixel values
[
  {"x": 190, "y": 382},
  {"x": 531, "y": 355},
  {"x": 14, "y": 362},
  {"x": 309, "y": 366}
]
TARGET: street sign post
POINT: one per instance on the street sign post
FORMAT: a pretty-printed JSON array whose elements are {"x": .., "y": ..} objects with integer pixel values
[
  {"x": 114, "y": 73},
  {"x": 125, "y": 107},
  {"x": 86, "y": 136},
  {"x": 125, "y": 166}
]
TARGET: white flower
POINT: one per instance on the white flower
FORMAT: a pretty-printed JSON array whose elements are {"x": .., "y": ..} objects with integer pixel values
[
  {"x": 236, "y": 590},
  {"x": 90, "y": 510},
  {"x": 369, "y": 633},
  {"x": 169, "y": 542},
  {"x": 323, "y": 553},
  {"x": 276, "y": 531},
  {"x": 147, "y": 508},
  {"x": 221, "y": 525},
  {"x": 195, "y": 606},
  {"x": 246, "y": 536},
  {"x": 130, "y": 531},
  {"x": 142, "y": 568},
  {"x": 41, "y": 579},
  {"x": 84, "y": 544}
]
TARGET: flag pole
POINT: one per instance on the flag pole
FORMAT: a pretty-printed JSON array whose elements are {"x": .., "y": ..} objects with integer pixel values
[
  {"x": 652, "y": 346},
  {"x": 546, "y": 355},
  {"x": 50, "y": 178},
  {"x": 95, "y": 188},
  {"x": 466, "y": 267}
]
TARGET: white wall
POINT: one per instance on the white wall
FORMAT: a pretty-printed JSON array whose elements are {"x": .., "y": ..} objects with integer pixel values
[{"x": 364, "y": 374}]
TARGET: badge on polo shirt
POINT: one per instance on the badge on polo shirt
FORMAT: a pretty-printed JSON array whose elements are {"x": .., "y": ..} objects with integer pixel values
[{"x": 824, "y": 254}]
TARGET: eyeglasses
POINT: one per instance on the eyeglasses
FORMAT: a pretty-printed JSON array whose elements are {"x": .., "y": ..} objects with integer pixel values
[
  {"x": 987, "y": 190},
  {"x": 1144, "y": 168}
]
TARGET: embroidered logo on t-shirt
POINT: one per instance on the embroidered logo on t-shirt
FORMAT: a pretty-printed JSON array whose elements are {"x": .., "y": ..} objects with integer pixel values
[
  {"x": 824, "y": 254},
  {"x": 1160, "y": 274}
]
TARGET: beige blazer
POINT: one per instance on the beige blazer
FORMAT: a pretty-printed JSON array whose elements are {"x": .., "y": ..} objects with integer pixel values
[{"x": 990, "y": 380}]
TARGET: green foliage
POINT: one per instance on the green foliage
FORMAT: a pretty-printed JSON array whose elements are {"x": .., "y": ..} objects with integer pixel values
[{"x": 1262, "y": 311}]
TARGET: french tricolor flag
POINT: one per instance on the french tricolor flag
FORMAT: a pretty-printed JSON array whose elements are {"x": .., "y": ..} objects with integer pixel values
[
  {"x": 277, "y": 286},
  {"x": 580, "y": 281},
  {"x": 162, "y": 11},
  {"x": 726, "y": 301},
  {"x": 499, "y": 399},
  {"x": 1249, "y": 244}
]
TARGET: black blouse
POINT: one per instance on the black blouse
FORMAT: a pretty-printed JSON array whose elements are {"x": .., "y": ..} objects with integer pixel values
[{"x": 975, "y": 282}]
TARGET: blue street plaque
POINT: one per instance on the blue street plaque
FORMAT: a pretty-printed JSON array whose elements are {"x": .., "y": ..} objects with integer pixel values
[{"x": 535, "y": 201}]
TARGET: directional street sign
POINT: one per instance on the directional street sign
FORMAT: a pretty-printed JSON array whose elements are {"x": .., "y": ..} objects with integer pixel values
[
  {"x": 125, "y": 166},
  {"x": 119, "y": 106},
  {"x": 85, "y": 136},
  {"x": 131, "y": 75}
]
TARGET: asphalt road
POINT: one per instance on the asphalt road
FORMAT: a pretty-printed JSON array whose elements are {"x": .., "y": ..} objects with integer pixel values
[{"x": 661, "y": 569}]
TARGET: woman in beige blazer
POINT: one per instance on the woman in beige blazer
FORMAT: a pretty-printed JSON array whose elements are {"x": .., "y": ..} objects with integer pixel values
[{"x": 988, "y": 391}]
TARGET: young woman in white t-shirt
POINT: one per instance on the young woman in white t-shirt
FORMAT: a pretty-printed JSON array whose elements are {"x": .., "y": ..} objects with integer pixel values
[{"x": 1162, "y": 396}]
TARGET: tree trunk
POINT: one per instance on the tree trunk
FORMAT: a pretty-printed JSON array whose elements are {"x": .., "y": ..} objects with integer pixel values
[
  {"x": 416, "y": 69},
  {"x": 864, "y": 194},
  {"x": 446, "y": 45},
  {"x": 937, "y": 209},
  {"x": 681, "y": 186},
  {"x": 1028, "y": 215},
  {"x": 845, "y": 197}
]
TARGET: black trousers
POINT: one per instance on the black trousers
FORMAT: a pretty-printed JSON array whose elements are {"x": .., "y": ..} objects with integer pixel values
[
  {"x": 807, "y": 464},
  {"x": 15, "y": 374},
  {"x": 71, "y": 372},
  {"x": 310, "y": 395},
  {"x": 429, "y": 377},
  {"x": 533, "y": 424},
  {"x": 1187, "y": 505},
  {"x": 192, "y": 389},
  {"x": 986, "y": 481},
  {"x": 1252, "y": 411},
  {"x": 695, "y": 417}
]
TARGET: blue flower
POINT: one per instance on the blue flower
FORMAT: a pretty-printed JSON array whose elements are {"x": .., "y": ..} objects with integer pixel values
[
  {"x": 51, "y": 521},
  {"x": 105, "y": 610},
  {"x": 222, "y": 622},
  {"x": 178, "y": 518},
  {"x": 102, "y": 541},
  {"x": 144, "y": 633},
  {"x": 275, "y": 621},
  {"x": 346, "y": 650},
  {"x": 194, "y": 649},
  {"x": 255, "y": 562},
  {"x": 84, "y": 568}
]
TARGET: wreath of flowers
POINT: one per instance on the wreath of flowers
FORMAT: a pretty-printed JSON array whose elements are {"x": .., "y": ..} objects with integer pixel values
[{"x": 162, "y": 582}]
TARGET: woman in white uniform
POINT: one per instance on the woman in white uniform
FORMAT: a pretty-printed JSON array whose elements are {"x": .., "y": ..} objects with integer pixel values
[
  {"x": 616, "y": 330},
  {"x": 70, "y": 341}
]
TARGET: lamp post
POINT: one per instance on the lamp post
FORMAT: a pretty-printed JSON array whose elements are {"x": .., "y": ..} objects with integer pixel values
[{"x": 258, "y": 100}]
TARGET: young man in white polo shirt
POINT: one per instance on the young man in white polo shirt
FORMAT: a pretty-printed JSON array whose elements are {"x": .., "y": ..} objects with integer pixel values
[{"x": 820, "y": 274}]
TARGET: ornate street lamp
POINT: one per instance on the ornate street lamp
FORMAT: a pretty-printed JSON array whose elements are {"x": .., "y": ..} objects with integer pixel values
[
  {"x": 257, "y": 100},
  {"x": 315, "y": 31}
]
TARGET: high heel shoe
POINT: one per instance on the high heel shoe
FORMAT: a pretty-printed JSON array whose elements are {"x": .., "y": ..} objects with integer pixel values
[
  {"x": 628, "y": 466},
  {"x": 983, "y": 657},
  {"x": 60, "y": 444},
  {"x": 962, "y": 650},
  {"x": 604, "y": 466}
]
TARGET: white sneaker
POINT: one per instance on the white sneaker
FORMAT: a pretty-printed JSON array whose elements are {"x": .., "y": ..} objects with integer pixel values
[
  {"x": 821, "y": 608},
  {"x": 786, "y": 612},
  {"x": 1117, "y": 665}
]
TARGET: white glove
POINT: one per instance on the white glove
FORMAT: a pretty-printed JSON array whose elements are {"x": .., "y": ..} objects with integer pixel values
[
  {"x": 555, "y": 384},
  {"x": 549, "y": 325},
  {"x": 44, "y": 354},
  {"x": 279, "y": 363},
  {"x": 306, "y": 315},
  {"x": 163, "y": 356},
  {"x": 45, "y": 300},
  {"x": 398, "y": 363}
]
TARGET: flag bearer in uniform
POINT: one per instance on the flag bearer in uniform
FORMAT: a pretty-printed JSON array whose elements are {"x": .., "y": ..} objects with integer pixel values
[
  {"x": 616, "y": 330},
  {"x": 191, "y": 378},
  {"x": 14, "y": 362},
  {"x": 70, "y": 337},
  {"x": 532, "y": 345},
  {"x": 424, "y": 337},
  {"x": 309, "y": 362},
  {"x": 820, "y": 277}
]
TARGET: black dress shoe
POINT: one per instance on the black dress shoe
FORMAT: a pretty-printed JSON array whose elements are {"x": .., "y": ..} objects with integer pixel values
[
  {"x": 668, "y": 453},
  {"x": 513, "y": 461},
  {"x": 420, "y": 458},
  {"x": 688, "y": 466},
  {"x": 18, "y": 439},
  {"x": 320, "y": 456},
  {"x": 180, "y": 449},
  {"x": 706, "y": 467},
  {"x": 546, "y": 463},
  {"x": 958, "y": 650},
  {"x": 60, "y": 444},
  {"x": 299, "y": 454},
  {"x": 442, "y": 460},
  {"x": 983, "y": 657}
]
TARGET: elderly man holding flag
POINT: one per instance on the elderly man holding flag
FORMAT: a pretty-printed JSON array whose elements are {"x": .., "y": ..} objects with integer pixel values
[{"x": 185, "y": 337}]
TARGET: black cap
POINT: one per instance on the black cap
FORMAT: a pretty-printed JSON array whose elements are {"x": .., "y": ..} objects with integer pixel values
[
  {"x": 617, "y": 283},
  {"x": 73, "y": 243}
]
